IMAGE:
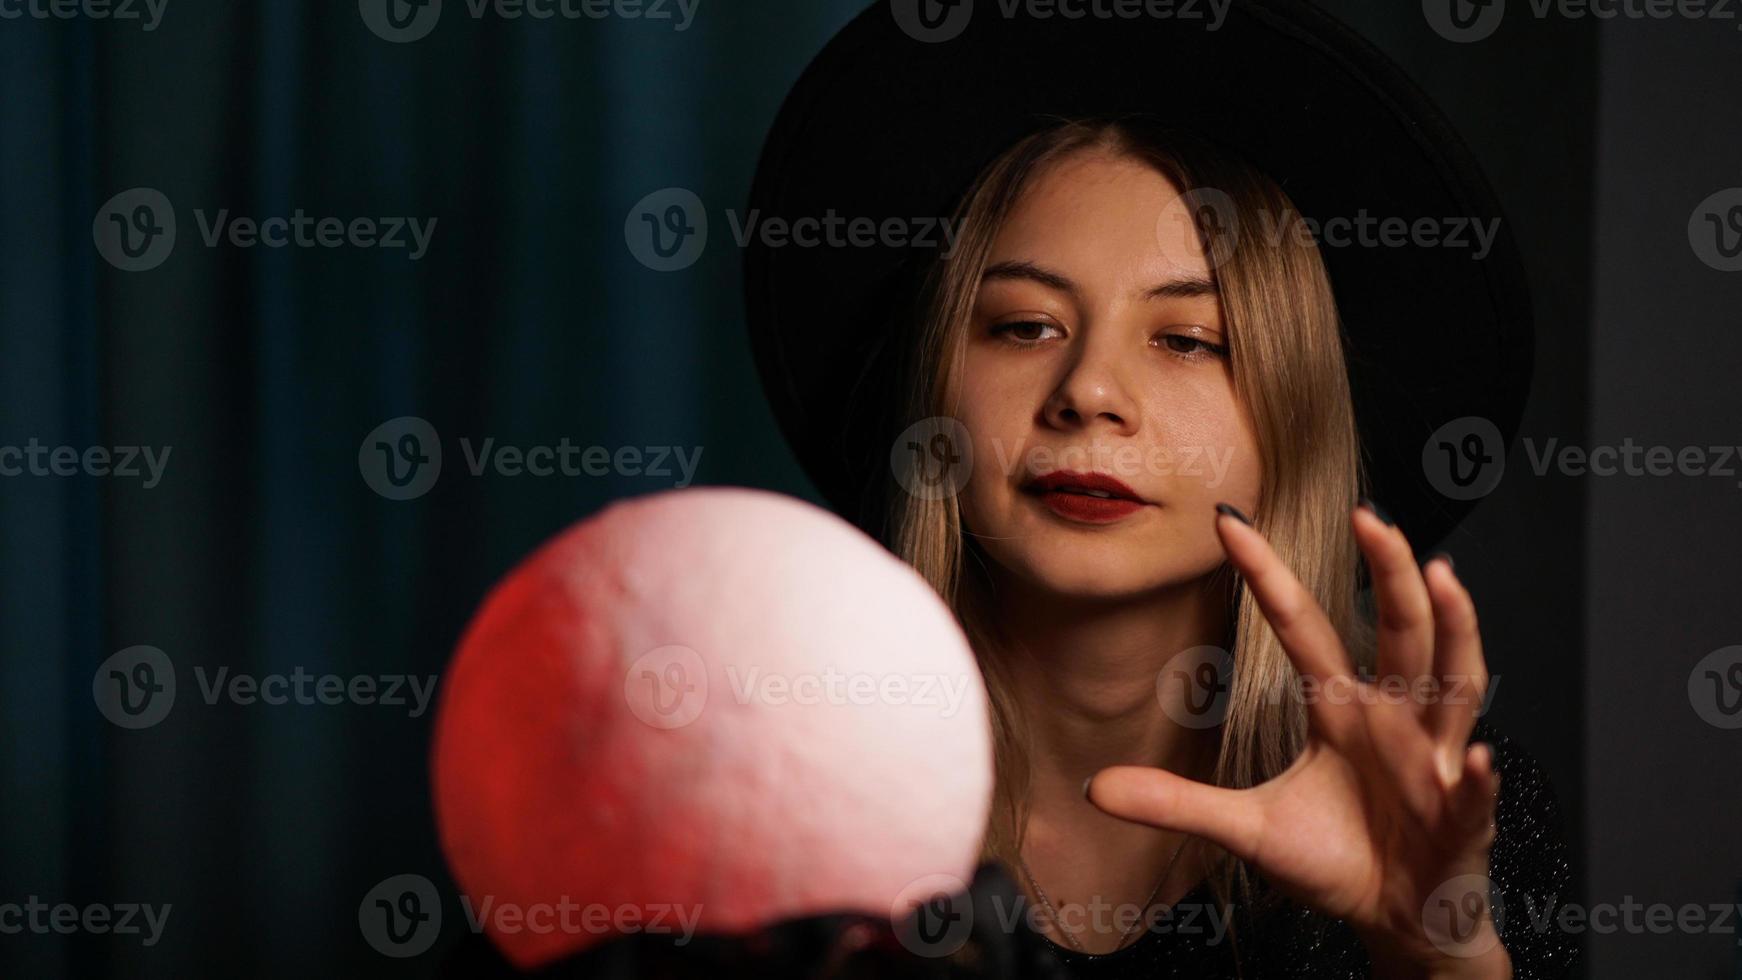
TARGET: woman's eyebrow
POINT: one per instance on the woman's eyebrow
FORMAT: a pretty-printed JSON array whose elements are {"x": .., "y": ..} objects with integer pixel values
[
  {"x": 1176, "y": 288},
  {"x": 1183, "y": 287},
  {"x": 1017, "y": 269}
]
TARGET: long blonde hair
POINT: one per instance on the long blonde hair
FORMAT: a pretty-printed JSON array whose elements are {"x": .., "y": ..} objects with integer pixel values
[{"x": 1286, "y": 356}]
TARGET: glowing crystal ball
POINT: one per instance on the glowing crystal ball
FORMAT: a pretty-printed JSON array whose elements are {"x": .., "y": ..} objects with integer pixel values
[{"x": 715, "y": 705}]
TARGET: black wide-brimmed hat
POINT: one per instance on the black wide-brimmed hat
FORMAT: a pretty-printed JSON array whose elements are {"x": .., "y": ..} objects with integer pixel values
[{"x": 908, "y": 103}]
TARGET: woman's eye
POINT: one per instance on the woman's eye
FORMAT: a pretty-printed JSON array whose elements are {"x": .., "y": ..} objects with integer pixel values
[
  {"x": 1187, "y": 346},
  {"x": 1025, "y": 331}
]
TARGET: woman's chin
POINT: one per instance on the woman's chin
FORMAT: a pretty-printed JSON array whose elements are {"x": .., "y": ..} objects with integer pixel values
[{"x": 1102, "y": 577}]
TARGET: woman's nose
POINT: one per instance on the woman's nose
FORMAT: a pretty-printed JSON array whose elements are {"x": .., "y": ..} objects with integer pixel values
[{"x": 1093, "y": 392}]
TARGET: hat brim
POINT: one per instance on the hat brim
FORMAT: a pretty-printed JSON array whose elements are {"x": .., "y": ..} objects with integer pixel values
[{"x": 883, "y": 125}]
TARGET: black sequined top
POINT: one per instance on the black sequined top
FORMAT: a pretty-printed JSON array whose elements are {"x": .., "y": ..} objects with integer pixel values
[
  {"x": 1528, "y": 865},
  {"x": 983, "y": 933}
]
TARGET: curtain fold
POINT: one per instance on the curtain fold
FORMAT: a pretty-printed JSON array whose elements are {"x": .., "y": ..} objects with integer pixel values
[{"x": 260, "y": 370}]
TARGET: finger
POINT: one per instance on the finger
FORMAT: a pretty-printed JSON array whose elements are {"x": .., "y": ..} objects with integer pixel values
[
  {"x": 1229, "y": 818},
  {"x": 1459, "y": 665},
  {"x": 1306, "y": 633},
  {"x": 1406, "y": 622},
  {"x": 1476, "y": 797}
]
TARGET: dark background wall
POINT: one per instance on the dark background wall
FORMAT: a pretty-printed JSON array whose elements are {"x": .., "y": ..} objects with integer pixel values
[
  {"x": 1665, "y": 783},
  {"x": 529, "y": 321}
]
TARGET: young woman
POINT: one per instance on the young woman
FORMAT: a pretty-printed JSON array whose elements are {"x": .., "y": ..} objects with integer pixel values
[
  {"x": 1138, "y": 406},
  {"x": 1129, "y": 398}
]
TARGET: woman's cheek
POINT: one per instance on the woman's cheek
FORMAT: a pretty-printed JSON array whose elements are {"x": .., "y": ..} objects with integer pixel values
[
  {"x": 1217, "y": 450},
  {"x": 994, "y": 428},
  {"x": 986, "y": 497}
]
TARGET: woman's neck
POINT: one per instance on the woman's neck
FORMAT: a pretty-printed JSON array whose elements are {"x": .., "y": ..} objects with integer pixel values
[{"x": 1084, "y": 674}]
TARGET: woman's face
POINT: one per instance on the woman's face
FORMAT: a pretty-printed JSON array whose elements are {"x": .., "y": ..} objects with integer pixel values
[{"x": 1097, "y": 348}]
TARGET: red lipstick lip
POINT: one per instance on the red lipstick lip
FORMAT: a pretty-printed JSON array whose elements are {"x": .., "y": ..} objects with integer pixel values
[
  {"x": 1070, "y": 480},
  {"x": 1061, "y": 492}
]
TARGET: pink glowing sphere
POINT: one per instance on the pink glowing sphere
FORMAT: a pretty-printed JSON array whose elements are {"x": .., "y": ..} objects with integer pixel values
[{"x": 723, "y": 705}]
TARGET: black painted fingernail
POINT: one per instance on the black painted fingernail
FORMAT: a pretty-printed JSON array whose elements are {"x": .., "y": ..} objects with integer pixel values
[
  {"x": 1441, "y": 554},
  {"x": 1086, "y": 783},
  {"x": 1234, "y": 512},
  {"x": 1378, "y": 511}
]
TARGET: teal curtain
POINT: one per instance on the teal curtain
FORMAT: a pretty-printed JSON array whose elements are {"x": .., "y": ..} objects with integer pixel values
[{"x": 263, "y": 549}]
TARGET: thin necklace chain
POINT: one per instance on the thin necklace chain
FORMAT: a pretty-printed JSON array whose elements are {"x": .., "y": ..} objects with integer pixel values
[{"x": 1071, "y": 937}]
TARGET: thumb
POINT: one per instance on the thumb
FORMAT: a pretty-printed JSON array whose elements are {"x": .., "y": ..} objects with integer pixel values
[{"x": 1229, "y": 818}]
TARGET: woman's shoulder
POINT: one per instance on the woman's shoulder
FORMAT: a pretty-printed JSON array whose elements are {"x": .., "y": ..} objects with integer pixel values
[
  {"x": 1530, "y": 864},
  {"x": 1528, "y": 813},
  {"x": 1528, "y": 800},
  {"x": 1507, "y": 750}
]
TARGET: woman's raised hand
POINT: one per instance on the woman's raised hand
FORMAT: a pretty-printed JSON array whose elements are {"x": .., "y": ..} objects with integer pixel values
[{"x": 1388, "y": 810}]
